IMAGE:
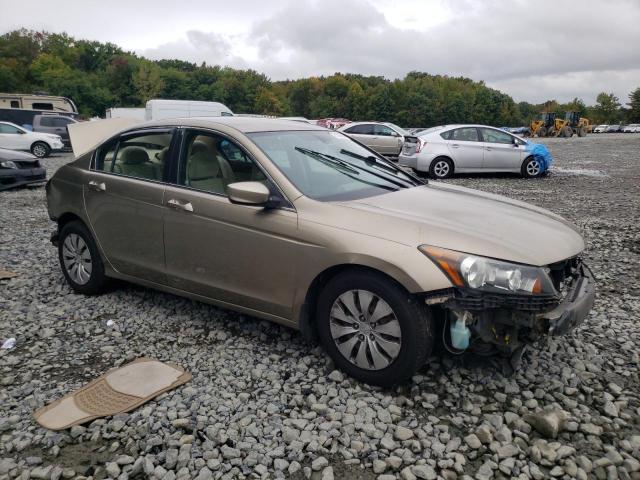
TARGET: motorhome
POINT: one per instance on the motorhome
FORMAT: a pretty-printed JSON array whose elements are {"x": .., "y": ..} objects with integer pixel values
[{"x": 20, "y": 108}]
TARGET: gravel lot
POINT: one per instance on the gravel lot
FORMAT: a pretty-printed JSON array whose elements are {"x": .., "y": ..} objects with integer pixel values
[{"x": 263, "y": 403}]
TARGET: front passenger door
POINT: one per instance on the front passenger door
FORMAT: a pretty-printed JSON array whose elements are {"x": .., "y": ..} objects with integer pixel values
[
  {"x": 502, "y": 152},
  {"x": 235, "y": 254}
]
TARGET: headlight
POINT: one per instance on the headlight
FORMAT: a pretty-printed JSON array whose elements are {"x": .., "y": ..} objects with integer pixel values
[
  {"x": 8, "y": 164},
  {"x": 487, "y": 274}
]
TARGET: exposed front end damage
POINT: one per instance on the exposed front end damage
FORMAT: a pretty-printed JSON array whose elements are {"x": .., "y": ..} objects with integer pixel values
[{"x": 507, "y": 322}]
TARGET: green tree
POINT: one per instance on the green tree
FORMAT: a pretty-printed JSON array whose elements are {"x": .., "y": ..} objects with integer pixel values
[
  {"x": 607, "y": 107},
  {"x": 147, "y": 81},
  {"x": 633, "y": 113}
]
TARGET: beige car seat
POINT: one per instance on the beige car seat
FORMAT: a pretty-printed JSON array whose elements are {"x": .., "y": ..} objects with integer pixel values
[
  {"x": 134, "y": 162},
  {"x": 207, "y": 169}
]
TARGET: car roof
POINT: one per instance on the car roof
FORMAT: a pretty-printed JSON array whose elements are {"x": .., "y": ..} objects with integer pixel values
[
  {"x": 242, "y": 124},
  {"x": 10, "y": 123}
]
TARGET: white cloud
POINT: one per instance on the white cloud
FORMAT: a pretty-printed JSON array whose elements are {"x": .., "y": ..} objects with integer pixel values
[{"x": 534, "y": 52}]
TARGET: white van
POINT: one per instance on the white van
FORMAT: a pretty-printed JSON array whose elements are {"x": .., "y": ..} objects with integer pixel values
[
  {"x": 135, "y": 113},
  {"x": 159, "y": 109}
]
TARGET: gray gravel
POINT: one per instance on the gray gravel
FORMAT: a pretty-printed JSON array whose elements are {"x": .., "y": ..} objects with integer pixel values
[{"x": 265, "y": 404}]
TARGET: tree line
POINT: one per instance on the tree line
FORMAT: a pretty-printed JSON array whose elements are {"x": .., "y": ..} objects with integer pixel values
[{"x": 100, "y": 75}]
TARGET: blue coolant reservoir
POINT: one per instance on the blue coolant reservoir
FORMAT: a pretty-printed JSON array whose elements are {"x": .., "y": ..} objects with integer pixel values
[{"x": 460, "y": 334}]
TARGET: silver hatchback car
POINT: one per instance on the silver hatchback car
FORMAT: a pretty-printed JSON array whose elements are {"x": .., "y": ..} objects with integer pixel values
[{"x": 441, "y": 151}]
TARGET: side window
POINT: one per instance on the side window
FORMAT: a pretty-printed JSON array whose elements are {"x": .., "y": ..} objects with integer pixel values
[
  {"x": 61, "y": 122},
  {"x": 4, "y": 128},
  {"x": 446, "y": 135},
  {"x": 42, "y": 106},
  {"x": 364, "y": 129},
  {"x": 383, "y": 131},
  {"x": 47, "y": 121},
  {"x": 210, "y": 162},
  {"x": 496, "y": 136},
  {"x": 139, "y": 156},
  {"x": 468, "y": 134},
  {"x": 15, "y": 104}
]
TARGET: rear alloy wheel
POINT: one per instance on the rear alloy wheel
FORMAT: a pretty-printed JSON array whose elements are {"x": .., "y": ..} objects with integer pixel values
[
  {"x": 441, "y": 168},
  {"x": 531, "y": 168},
  {"x": 372, "y": 329},
  {"x": 40, "y": 149},
  {"x": 80, "y": 259}
]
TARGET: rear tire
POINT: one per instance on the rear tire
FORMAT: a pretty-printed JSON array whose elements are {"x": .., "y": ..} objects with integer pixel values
[
  {"x": 40, "y": 149},
  {"x": 567, "y": 132},
  {"x": 582, "y": 131},
  {"x": 531, "y": 168},
  {"x": 542, "y": 132},
  {"x": 80, "y": 259},
  {"x": 441, "y": 168},
  {"x": 372, "y": 329}
]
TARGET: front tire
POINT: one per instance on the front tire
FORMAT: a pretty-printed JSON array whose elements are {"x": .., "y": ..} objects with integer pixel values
[
  {"x": 80, "y": 260},
  {"x": 531, "y": 168},
  {"x": 372, "y": 329},
  {"x": 441, "y": 168},
  {"x": 40, "y": 149}
]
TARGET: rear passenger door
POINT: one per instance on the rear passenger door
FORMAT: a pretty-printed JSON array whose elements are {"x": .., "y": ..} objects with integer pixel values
[
  {"x": 502, "y": 152},
  {"x": 123, "y": 194},
  {"x": 465, "y": 147}
]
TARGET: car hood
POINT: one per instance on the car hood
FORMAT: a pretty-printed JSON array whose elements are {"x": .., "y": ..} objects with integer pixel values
[{"x": 471, "y": 221}]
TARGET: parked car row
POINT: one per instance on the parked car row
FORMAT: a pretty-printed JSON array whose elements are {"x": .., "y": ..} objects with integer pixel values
[{"x": 617, "y": 128}]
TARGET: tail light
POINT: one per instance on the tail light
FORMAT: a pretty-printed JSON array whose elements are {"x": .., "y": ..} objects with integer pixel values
[{"x": 420, "y": 145}]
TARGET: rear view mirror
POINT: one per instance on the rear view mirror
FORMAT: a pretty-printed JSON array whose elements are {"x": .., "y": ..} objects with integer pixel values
[{"x": 248, "y": 193}]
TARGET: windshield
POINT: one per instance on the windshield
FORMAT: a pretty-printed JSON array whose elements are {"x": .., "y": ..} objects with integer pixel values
[{"x": 327, "y": 165}]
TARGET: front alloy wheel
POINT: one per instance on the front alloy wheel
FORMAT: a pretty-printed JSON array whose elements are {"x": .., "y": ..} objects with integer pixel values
[
  {"x": 372, "y": 328},
  {"x": 365, "y": 329},
  {"x": 532, "y": 168}
]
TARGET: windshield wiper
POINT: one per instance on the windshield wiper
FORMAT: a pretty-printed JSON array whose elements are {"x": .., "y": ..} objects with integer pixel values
[
  {"x": 341, "y": 166},
  {"x": 383, "y": 168},
  {"x": 374, "y": 162}
]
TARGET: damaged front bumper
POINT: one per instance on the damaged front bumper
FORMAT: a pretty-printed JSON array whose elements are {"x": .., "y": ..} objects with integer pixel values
[{"x": 510, "y": 321}]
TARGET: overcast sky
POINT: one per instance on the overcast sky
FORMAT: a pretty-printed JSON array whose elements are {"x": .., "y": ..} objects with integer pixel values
[{"x": 532, "y": 50}]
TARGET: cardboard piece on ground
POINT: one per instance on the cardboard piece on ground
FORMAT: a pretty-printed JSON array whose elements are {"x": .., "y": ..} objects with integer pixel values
[
  {"x": 4, "y": 274},
  {"x": 117, "y": 391}
]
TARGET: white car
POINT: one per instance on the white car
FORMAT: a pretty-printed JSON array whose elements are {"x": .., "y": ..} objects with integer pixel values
[
  {"x": 441, "y": 151},
  {"x": 600, "y": 128},
  {"x": 631, "y": 128},
  {"x": 41, "y": 145}
]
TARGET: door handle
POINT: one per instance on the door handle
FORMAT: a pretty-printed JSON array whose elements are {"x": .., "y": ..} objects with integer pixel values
[
  {"x": 487, "y": 148},
  {"x": 97, "y": 186},
  {"x": 455, "y": 145},
  {"x": 178, "y": 205}
]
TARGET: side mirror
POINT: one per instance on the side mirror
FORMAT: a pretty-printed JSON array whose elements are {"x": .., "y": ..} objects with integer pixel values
[{"x": 248, "y": 193}]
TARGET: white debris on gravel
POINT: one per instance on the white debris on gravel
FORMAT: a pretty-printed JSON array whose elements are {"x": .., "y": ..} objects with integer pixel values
[
  {"x": 587, "y": 172},
  {"x": 263, "y": 403}
]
